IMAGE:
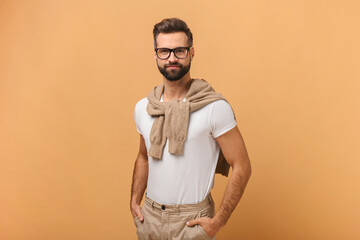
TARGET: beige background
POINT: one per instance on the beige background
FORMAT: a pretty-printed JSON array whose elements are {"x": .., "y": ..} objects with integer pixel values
[{"x": 71, "y": 73}]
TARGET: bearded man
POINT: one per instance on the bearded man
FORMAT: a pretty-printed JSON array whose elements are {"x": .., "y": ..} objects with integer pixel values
[{"x": 188, "y": 133}]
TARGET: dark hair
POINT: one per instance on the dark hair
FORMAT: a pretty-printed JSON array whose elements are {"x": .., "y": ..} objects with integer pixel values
[{"x": 171, "y": 25}]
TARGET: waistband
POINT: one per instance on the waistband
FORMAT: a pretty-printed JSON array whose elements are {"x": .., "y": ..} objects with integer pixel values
[{"x": 179, "y": 207}]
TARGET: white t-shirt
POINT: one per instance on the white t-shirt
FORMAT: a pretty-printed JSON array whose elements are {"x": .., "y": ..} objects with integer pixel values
[{"x": 188, "y": 178}]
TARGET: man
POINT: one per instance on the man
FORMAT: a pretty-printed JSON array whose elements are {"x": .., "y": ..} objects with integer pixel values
[{"x": 187, "y": 132}]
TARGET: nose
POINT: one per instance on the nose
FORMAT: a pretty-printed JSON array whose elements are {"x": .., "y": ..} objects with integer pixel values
[{"x": 172, "y": 57}]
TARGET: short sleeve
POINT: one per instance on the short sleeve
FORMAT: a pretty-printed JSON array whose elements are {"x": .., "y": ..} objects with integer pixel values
[
  {"x": 137, "y": 118},
  {"x": 222, "y": 118}
]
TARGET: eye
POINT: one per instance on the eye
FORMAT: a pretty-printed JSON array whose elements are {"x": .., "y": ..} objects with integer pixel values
[
  {"x": 163, "y": 50},
  {"x": 180, "y": 50}
]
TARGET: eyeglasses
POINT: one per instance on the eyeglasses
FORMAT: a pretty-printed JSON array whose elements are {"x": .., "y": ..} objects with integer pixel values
[{"x": 164, "y": 53}]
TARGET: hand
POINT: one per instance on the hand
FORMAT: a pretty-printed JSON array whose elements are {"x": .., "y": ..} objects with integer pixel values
[
  {"x": 208, "y": 224},
  {"x": 136, "y": 211}
]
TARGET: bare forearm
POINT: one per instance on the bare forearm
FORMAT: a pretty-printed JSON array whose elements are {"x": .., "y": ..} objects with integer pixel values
[
  {"x": 139, "y": 181},
  {"x": 234, "y": 190}
]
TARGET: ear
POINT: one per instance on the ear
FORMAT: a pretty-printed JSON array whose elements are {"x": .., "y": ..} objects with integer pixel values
[
  {"x": 155, "y": 55},
  {"x": 192, "y": 53}
]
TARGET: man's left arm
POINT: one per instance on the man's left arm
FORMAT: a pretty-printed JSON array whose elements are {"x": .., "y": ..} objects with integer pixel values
[{"x": 233, "y": 147}]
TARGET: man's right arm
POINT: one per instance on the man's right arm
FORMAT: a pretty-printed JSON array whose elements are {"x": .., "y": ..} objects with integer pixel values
[{"x": 139, "y": 181}]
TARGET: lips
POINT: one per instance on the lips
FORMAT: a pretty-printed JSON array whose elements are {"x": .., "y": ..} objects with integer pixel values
[{"x": 172, "y": 66}]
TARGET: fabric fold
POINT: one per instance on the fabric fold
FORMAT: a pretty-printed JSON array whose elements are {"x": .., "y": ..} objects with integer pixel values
[{"x": 172, "y": 119}]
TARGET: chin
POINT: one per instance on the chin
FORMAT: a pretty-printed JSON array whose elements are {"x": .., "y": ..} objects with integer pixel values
[{"x": 173, "y": 80}]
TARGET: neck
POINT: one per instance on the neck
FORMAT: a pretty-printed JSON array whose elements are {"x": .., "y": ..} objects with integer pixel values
[{"x": 176, "y": 89}]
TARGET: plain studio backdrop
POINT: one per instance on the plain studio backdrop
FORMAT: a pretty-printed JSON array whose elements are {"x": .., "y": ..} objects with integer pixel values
[{"x": 71, "y": 73}]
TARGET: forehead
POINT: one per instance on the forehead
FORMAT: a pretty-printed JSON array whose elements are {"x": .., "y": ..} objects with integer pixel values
[{"x": 172, "y": 40}]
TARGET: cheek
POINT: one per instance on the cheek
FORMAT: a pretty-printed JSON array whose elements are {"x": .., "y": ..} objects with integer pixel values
[
  {"x": 187, "y": 62},
  {"x": 160, "y": 63}
]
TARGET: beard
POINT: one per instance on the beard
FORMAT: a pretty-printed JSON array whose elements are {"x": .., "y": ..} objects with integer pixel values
[{"x": 174, "y": 74}]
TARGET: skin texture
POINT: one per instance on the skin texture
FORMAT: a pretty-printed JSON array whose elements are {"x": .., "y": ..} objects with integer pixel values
[
  {"x": 231, "y": 144},
  {"x": 139, "y": 181}
]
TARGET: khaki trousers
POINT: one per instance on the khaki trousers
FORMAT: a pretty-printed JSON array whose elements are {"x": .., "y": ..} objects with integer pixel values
[{"x": 168, "y": 222}]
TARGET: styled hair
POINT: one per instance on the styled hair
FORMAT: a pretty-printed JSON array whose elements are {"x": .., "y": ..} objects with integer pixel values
[{"x": 171, "y": 25}]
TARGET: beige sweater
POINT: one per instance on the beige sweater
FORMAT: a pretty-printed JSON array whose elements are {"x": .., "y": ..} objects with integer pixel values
[{"x": 172, "y": 119}]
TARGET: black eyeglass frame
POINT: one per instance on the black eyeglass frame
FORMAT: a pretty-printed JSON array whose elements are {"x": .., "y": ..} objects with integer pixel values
[{"x": 173, "y": 50}]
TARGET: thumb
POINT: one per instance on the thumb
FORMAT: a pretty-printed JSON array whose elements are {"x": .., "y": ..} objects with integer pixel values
[
  {"x": 140, "y": 216},
  {"x": 193, "y": 222}
]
